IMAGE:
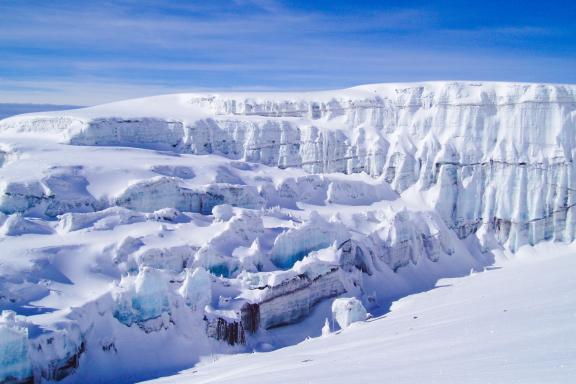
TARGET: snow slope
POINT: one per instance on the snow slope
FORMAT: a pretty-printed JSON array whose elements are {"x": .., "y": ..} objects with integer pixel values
[
  {"x": 183, "y": 226},
  {"x": 511, "y": 324},
  {"x": 9, "y": 109}
]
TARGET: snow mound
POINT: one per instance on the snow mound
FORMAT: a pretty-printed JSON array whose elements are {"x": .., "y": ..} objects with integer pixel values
[{"x": 347, "y": 311}]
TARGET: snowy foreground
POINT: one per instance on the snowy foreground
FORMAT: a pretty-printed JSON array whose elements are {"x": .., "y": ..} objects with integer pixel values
[
  {"x": 510, "y": 325},
  {"x": 140, "y": 238}
]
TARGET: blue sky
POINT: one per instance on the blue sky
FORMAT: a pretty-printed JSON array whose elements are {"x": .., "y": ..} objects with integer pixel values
[{"x": 87, "y": 52}]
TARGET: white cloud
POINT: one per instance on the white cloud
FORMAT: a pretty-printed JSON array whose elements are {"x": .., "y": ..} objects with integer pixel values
[{"x": 70, "y": 52}]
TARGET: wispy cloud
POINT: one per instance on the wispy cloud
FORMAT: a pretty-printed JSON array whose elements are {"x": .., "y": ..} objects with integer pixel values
[{"x": 126, "y": 48}]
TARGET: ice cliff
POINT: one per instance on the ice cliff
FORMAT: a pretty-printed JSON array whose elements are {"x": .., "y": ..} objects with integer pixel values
[
  {"x": 488, "y": 154},
  {"x": 14, "y": 358},
  {"x": 211, "y": 223}
]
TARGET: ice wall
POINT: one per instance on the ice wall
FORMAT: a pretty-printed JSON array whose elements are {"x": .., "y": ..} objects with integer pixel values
[
  {"x": 15, "y": 365},
  {"x": 498, "y": 155},
  {"x": 165, "y": 192},
  {"x": 196, "y": 289},
  {"x": 145, "y": 297}
]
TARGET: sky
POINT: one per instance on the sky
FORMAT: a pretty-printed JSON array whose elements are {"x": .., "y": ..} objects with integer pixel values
[{"x": 89, "y": 52}]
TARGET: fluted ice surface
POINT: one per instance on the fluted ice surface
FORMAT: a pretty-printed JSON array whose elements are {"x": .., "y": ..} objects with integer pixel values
[{"x": 489, "y": 154}]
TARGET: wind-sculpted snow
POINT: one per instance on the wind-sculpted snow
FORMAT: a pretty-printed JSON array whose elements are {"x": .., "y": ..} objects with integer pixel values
[
  {"x": 315, "y": 234},
  {"x": 16, "y": 225},
  {"x": 222, "y": 223},
  {"x": 347, "y": 311},
  {"x": 217, "y": 255}
]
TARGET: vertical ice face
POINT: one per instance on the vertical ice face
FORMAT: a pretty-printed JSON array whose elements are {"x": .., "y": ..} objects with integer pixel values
[
  {"x": 140, "y": 132},
  {"x": 197, "y": 289},
  {"x": 166, "y": 192},
  {"x": 21, "y": 196},
  {"x": 15, "y": 363},
  {"x": 56, "y": 354},
  {"x": 288, "y": 297},
  {"x": 314, "y": 234},
  {"x": 144, "y": 298},
  {"x": 346, "y": 311}
]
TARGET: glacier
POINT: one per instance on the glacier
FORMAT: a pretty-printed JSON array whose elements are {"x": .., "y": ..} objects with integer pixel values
[{"x": 231, "y": 222}]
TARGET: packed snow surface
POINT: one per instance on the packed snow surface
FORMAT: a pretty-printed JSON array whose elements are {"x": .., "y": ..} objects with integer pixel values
[{"x": 140, "y": 237}]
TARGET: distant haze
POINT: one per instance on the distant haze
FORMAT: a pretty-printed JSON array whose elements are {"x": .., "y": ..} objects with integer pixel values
[{"x": 8, "y": 109}]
